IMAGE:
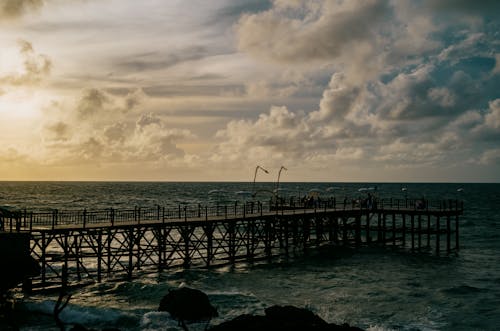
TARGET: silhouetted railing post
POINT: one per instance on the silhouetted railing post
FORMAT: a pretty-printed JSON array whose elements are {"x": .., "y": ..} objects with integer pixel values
[
  {"x": 31, "y": 221},
  {"x": 54, "y": 218},
  {"x": 84, "y": 217},
  {"x": 112, "y": 217}
]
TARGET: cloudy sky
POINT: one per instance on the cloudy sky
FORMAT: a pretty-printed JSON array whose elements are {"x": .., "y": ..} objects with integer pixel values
[{"x": 372, "y": 90}]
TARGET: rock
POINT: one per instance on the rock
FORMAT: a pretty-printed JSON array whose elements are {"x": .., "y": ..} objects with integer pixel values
[
  {"x": 16, "y": 263},
  {"x": 186, "y": 304},
  {"x": 15, "y": 271},
  {"x": 244, "y": 323},
  {"x": 79, "y": 327},
  {"x": 295, "y": 317},
  {"x": 282, "y": 318}
]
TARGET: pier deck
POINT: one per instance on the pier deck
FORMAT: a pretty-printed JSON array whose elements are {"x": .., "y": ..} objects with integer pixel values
[{"x": 73, "y": 246}]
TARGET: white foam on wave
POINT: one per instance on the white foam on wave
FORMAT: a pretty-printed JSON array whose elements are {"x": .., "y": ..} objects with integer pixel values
[
  {"x": 232, "y": 292},
  {"x": 74, "y": 314},
  {"x": 158, "y": 320},
  {"x": 155, "y": 320},
  {"x": 378, "y": 328}
]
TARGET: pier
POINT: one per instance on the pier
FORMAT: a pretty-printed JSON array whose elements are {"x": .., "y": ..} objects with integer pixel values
[{"x": 78, "y": 246}]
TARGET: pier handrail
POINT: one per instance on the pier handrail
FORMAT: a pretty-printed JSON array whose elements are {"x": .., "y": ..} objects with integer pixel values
[{"x": 24, "y": 220}]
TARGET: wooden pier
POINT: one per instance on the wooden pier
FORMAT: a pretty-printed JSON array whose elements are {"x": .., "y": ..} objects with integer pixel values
[{"x": 81, "y": 246}]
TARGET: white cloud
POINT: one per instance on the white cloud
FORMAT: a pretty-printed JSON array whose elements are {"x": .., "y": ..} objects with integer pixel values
[
  {"x": 34, "y": 67},
  {"x": 492, "y": 118},
  {"x": 489, "y": 157}
]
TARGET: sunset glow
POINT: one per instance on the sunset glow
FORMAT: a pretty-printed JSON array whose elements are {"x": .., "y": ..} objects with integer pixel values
[{"x": 205, "y": 90}]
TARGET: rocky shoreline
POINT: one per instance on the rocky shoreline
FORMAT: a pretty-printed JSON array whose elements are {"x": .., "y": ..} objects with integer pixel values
[
  {"x": 282, "y": 318},
  {"x": 187, "y": 304}
]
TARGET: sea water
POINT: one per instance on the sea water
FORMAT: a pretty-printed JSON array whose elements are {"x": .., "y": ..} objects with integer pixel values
[{"x": 374, "y": 288}]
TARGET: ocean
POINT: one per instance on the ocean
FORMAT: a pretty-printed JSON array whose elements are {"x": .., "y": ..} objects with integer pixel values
[{"x": 375, "y": 288}]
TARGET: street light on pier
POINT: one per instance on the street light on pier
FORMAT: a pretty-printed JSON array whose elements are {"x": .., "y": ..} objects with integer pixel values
[
  {"x": 255, "y": 176},
  {"x": 279, "y": 174}
]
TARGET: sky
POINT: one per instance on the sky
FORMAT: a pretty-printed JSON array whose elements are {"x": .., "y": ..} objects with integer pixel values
[{"x": 195, "y": 90}]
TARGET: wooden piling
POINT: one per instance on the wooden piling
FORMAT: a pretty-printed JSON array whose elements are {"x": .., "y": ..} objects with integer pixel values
[
  {"x": 448, "y": 234},
  {"x": 99, "y": 256},
  {"x": 209, "y": 232},
  {"x": 412, "y": 224},
  {"x": 438, "y": 229},
  {"x": 394, "y": 229},
  {"x": 403, "y": 231},
  {"x": 368, "y": 238},
  {"x": 419, "y": 232}
]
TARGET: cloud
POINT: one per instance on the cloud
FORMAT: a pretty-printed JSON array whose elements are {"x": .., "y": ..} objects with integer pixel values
[
  {"x": 321, "y": 34},
  {"x": 319, "y": 84},
  {"x": 92, "y": 101},
  {"x": 97, "y": 103},
  {"x": 280, "y": 134},
  {"x": 486, "y": 126},
  {"x": 465, "y": 6},
  {"x": 10, "y": 9},
  {"x": 146, "y": 120},
  {"x": 34, "y": 67},
  {"x": 489, "y": 157},
  {"x": 492, "y": 118},
  {"x": 116, "y": 132},
  {"x": 58, "y": 131},
  {"x": 12, "y": 155},
  {"x": 156, "y": 61},
  {"x": 496, "y": 70},
  {"x": 408, "y": 84}
]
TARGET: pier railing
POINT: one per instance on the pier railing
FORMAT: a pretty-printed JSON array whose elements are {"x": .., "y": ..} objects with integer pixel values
[{"x": 24, "y": 220}]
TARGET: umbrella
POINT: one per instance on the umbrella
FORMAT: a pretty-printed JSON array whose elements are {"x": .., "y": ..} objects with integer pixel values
[{"x": 216, "y": 191}]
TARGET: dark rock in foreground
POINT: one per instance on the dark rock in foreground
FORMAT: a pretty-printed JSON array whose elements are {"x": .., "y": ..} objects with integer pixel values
[
  {"x": 188, "y": 304},
  {"x": 281, "y": 318},
  {"x": 79, "y": 327},
  {"x": 16, "y": 263}
]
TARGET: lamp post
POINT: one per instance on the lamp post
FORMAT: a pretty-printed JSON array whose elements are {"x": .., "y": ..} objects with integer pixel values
[
  {"x": 279, "y": 174},
  {"x": 255, "y": 176}
]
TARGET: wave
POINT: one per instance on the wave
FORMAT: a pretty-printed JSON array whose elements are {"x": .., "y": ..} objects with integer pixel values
[
  {"x": 463, "y": 290},
  {"x": 84, "y": 315}
]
